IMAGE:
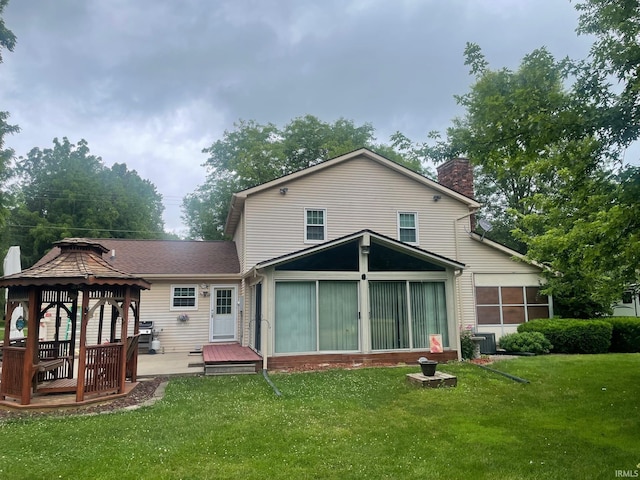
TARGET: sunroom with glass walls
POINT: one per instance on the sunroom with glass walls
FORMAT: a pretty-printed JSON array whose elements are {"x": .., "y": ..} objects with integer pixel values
[{"x": 386, "y": 301}]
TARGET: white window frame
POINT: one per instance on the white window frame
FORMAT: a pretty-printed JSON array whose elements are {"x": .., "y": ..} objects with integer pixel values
[
  {"x": 324, "y": 233},
  {"x": 173, "y": 296},
  {"x": 415, "y": 217}
]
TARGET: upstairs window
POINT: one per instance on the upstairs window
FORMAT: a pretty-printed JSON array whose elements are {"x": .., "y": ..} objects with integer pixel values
[
  {"x": 408, "y": 227},
  {"x": 315, "y": 225},
  {"x": 183, "y": 297}
]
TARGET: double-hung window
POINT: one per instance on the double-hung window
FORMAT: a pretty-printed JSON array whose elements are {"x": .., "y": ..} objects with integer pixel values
[
  {"x": 183, "y": 297},
  {"x": 408, "y": 227},
  {"x": 315, "y": 225}
]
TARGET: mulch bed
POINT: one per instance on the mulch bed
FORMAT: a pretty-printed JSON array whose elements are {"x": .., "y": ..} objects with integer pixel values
[
  {"x": 481, "y": 361},
  {"x": 141, "y": 393}
]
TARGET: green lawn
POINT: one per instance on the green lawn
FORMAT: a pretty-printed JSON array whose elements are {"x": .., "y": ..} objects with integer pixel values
[{"x": 578, "y": 418}]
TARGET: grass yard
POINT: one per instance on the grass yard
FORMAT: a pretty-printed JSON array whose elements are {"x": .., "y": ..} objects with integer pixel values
[{"x": 578, "y": 418}]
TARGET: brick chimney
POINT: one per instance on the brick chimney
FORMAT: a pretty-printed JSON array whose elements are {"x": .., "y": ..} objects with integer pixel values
[{"x": 457, "y": 174}]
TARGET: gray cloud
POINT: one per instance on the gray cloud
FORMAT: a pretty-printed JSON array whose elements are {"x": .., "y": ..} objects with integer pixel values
[{"x": 152, "y": 82}]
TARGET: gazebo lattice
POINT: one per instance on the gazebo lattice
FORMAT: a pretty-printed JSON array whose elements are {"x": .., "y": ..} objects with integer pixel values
[{"x": 78, "y": 283}]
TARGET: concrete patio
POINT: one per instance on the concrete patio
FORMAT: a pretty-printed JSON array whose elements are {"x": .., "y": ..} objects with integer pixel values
[{"x": 161, "y": 364}]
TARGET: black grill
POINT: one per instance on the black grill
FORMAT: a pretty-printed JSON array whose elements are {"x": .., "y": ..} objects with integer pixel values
[{"x": 144, "y": 342}]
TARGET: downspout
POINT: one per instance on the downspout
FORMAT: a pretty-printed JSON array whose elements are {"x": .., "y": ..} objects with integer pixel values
[
  {"x": 264, "y": 338},
  {"x": 455, "y": 231},
  {"x": 457, "y": 276}
]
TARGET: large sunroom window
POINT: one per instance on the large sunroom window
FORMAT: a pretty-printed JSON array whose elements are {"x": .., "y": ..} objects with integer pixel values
[
  {"x": 404, "y": 314},
  {"x": 316, "y": 316}
]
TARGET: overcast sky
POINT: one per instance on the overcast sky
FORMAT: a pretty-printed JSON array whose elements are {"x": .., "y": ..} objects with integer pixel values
[{"x": 150, "y": 83}]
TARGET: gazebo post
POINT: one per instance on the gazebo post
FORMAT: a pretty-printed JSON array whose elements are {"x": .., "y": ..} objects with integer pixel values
[
  {"x": 82, "y": 361},
  {"x": 123, "y": 333},
  {"x": 114, "y": 318},
  {"x": 31, "y": 346},
  {"x": 136, "y": 331},
  {"x": 74, "y": 326}
]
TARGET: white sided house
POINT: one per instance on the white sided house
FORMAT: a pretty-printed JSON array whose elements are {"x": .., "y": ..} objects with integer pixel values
[
  {"x": 193, "y": 299},
  {"x": 361, "y": 259},
  {"x": 356, "y": 259}
]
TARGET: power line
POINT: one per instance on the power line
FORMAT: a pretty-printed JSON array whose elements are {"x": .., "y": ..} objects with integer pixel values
[{"x": 54, "y": 227}]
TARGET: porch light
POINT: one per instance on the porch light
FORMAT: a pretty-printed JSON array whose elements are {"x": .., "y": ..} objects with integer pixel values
[{"x": 365, "y": 249}]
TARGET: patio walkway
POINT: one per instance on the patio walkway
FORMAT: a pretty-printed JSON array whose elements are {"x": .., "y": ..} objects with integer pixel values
[{"x": 162, "y": 364}]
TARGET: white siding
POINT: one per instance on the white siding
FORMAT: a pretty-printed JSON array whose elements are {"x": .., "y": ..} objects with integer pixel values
[
  {"x": 360, "y": 194},
  {"x": 175, "y": 335},
  {"x": 357, "y": 195}
]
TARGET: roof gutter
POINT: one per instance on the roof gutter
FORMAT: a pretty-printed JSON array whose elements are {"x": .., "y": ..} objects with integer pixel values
[
  {"x": 457, "y": 276},
  {"x": 199, "y": 276},
  {"x": 455, "y": 230}
]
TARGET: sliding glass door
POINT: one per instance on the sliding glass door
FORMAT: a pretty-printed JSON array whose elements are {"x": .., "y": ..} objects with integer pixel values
[
  {"x": 316, "y": 316},
  {"x": 389, "y": 316},
  {"x": 338, "y": 316},
  {"x": 404, "y": 314}
]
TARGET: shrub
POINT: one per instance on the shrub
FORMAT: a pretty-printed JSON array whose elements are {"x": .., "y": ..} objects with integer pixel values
[
  {"x": 573, "y": 335},
  {"x": 625, "y": 337},
  {"x": 467, "y": 347},
  {"x": 532, "y": 342}
]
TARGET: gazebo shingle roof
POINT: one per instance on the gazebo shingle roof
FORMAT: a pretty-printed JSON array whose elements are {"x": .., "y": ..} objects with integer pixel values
[{"x": 74, "y": 261}]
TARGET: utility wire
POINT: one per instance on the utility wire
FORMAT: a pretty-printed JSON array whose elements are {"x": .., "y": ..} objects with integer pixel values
[{"x": 53, "y": 227}]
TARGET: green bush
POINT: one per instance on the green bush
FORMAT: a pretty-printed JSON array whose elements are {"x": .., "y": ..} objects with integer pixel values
[
  {"x": 569, "y": 335},
  {"x": 625, "y": 337},
  {"x": 532, "y": 342},
  {"x": 467, "y": 347}
]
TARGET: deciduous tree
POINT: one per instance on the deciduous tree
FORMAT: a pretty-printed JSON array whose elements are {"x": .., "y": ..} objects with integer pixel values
[
  {"x": 253, "y": 153},
  {"x": 7, "y": 42},
  {"x": 66, "y": 191}
]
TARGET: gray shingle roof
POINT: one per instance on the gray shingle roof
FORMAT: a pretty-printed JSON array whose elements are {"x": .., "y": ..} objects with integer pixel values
[
  {"x": 167, "y": 257},
  {"x": 74, "y": 261}
]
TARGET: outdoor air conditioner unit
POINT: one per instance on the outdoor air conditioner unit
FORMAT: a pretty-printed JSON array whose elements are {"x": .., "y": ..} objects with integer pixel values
[{"x": 488, "y": 345}]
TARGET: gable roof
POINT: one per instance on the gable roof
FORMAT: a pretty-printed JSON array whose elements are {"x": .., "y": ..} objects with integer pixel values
[
  {"x": 383, "y": 239},
  {"x": 238, "y": 198},
  {"x": 167, "y": 258}
]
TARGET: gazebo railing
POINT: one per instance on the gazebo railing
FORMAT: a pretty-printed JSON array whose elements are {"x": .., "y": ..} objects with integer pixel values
[
  {"x": 49, "y": 351},
  {"x": 103, "y": 367},
  {"x": 12, "y": 369}
]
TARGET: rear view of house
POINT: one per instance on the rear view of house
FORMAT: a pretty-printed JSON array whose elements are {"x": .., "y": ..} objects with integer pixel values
[
  {"x": 356, "y": 259},
  {"x": 361, "y": 259}
]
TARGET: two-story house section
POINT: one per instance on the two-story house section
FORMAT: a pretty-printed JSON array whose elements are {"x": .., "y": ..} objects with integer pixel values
[{"x": 361, "y": 259}]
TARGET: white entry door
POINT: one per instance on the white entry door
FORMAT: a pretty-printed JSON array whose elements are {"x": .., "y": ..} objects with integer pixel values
[{"x": 223, "y": 314}]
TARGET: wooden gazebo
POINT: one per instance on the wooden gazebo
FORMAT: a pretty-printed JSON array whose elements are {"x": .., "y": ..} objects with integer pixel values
[{"x": 78, "y": 284}]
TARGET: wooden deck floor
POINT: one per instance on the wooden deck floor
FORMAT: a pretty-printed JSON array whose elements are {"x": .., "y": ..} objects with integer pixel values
[
  {"x": 44, "y": 402},
  {"x": 228, "y": 353}
]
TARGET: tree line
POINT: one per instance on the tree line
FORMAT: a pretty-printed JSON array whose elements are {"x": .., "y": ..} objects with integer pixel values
[{"x": 547, "y": 142}]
